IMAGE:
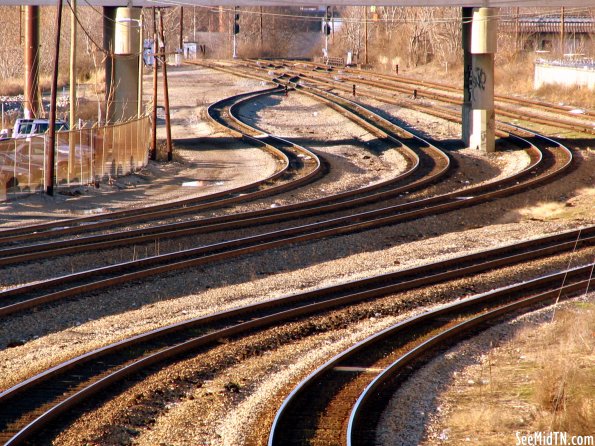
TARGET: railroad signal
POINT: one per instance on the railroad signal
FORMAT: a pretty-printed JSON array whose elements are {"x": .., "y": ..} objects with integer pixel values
[{"x": 236, "y": 19}]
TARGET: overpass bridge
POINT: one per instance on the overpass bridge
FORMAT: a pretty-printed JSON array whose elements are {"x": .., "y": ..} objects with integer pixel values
[{"x": 479, "y": 33}]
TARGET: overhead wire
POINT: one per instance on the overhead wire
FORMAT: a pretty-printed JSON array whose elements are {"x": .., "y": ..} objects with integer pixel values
[{"x": 177, "y": 3}]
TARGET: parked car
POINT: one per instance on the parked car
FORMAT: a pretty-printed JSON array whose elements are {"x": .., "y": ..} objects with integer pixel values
[{"x": 26, "y": 127}]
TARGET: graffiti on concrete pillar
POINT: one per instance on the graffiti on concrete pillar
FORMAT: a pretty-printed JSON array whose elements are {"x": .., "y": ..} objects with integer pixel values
[{"x": 476, "y": 79}]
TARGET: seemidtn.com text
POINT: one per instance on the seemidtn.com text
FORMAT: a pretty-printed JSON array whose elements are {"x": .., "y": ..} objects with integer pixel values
[{"x": 553, "y": 439}]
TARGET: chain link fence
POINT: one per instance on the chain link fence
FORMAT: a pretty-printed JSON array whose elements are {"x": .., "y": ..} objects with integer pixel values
[{"x": 83, "y": 156}]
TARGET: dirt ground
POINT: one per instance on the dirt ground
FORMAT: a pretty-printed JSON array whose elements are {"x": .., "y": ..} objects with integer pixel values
[{"x": 206, "y": 413}]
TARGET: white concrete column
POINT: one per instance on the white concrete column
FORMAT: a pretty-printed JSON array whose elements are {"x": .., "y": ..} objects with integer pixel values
[
  {"x": 467, "y": 17},
  {"x": 479, "y": 82},
  {"x": 126, "y": 43}
]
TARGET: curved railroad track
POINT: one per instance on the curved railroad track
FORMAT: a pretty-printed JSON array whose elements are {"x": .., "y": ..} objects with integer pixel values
[
  {"x": 565, "y": 118},
  {"x": 426, "y": 164},
  {"x": 286, "y": 178},
  {"x": 30, "y": 405},
  {"x": 556, "y": 160},
  {"x": 341, "y": 401}
]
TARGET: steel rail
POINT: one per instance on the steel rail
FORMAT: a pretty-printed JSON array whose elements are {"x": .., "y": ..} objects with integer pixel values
[
  {"x": 146, "y": 267},
  {"x": 445, "y": 114},
  {"x": 23, "y": 253},
  {"x": 578, "y": 119},
  {"x": 219, "y": 199},
  {"x": 362, "y": 412},
  {"x": 192, "y": 334},
  {"x": 150, "y": 266},
  {"x": 295, "y": 413}
]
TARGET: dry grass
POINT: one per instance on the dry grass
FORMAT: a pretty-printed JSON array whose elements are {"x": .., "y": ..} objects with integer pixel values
[
  {"x": 579, "y": 96},
  {"x": 565, "y": 384},
  {"x": 542, "y": 380}
]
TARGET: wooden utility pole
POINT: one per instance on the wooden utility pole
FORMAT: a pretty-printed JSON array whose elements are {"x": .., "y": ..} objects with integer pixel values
[
  {"x": 165, "y": 87},
  {"x": 73, "y": 64},
  {"x": 516, "y": 31},
  {"x": 72, "y": 86},
  {"x": 141, "y": 54},
  {"x": 365, "y": 35},
  {"x": 562, "y": 31},
  {"x": 182, "y": 29},
  {"x": 153, "y": 154},
  {"x": 51, "y": 146},
  {"x": 261, "y": 29},
  {"x": 32, "y": 108}
]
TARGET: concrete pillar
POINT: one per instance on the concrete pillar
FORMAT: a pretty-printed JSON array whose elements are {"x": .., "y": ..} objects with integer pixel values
[
  {"x": 467, "y": 17},
  {"x": 479, "y": 121},
  {"x": 122, "y": 73},
  {"x": 31, "y": 105}
]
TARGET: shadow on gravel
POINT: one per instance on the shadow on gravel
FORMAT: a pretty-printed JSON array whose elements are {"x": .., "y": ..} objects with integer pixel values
[{"x": 251, "y": 268}]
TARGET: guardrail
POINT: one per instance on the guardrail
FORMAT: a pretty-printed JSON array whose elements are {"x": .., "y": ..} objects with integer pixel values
[{"x": 82, "y": 156}]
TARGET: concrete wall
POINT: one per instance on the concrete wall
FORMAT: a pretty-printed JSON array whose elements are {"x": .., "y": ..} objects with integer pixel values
[{"x": 567, "y": 76}]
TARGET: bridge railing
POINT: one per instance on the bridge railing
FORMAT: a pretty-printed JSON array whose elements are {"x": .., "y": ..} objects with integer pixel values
[{"x": 82, "y": 156}]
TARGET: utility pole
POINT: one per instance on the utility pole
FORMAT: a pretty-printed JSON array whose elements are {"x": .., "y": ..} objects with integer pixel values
[
  {"x": 366, "y": 35},
  {"x": 72, "y": 86},
  {"x": 516, "y": 30},
  {"x": 73, "y": 97},
  {"x": 562, "y": 32},
  {"x": 51, "y": 146},
  {"x": 181, "y": 32},
  {"x": 260, "y": 29},
  {"x": 165, "y": 88},
  {"x": 153, "y": 154},
  {"x": 141, "y": 50},
  {"x": 32, "y": 108}
]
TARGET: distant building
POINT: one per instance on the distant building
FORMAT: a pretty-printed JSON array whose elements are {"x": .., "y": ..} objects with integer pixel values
[{"x": 543, "y": 33}]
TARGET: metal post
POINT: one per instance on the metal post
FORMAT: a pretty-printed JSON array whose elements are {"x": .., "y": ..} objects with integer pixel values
[
  {"x": 31, "y": 61},
  {"x": 165, "y": 89},
  {"x": 153, "y": 154},
  {"x": 181, "y": 28},
  {"x": 325, "y": 42},
  {"x": 49, "y": 172},
  {"x": 562, "y": 31}
]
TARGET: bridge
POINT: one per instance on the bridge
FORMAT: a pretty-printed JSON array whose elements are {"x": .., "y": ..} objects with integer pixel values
[{"x": 443, "y": 3}]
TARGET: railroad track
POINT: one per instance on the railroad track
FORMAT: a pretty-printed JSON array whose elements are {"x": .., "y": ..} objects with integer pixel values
[
  {"x": 304, "y": 167},
  {"x": 340, "y": 402},
  {"x": 546, "y": 106},
  {"x": 33, "y": 404},
  {"x": 426, "y": 163},
  {"x": 45, "y": 291},
  {"x": 565, "y": 118}
]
